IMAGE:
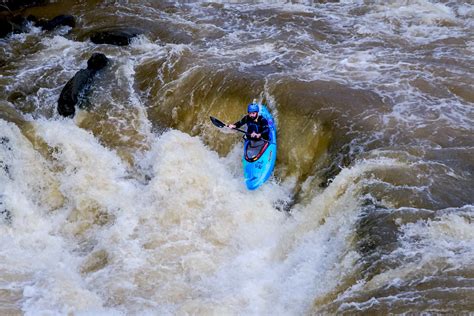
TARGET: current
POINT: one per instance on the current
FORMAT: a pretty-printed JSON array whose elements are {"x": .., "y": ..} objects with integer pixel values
[{"x": 137, "y": 204}]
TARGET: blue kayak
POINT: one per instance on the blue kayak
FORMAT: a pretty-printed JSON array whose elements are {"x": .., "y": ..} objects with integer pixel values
[{"x": 260, "y": 156}]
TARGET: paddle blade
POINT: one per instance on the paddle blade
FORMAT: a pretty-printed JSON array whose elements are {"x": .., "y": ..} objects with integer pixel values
[{"x": 216, "y": 122}]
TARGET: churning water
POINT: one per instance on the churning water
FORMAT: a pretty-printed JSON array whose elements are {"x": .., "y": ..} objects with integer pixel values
[{"x": 137, "y": 205}]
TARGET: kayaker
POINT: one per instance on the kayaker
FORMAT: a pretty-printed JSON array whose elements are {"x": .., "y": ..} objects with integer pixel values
[{"x": 257, "y": 126}]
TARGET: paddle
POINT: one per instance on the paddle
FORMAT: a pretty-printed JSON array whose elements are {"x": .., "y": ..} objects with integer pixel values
[{"x": 220, "y": 124}]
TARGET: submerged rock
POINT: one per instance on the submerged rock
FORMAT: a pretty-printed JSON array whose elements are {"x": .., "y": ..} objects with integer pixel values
[
  {"x": 95, "y": 261},
  {"x": 19, "y": 24},
  {"x": 77, "y": 87},
  {"x": 119, "y": 37},
  {"x": 60, "y": 20}
]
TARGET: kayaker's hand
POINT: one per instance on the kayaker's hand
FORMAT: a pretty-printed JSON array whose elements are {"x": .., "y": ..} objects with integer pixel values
[
  {"x": 255, "y": 135},
  {"x": 231, "y": 126}
]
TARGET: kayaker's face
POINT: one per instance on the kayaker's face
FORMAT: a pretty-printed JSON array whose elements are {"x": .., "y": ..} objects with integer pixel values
[{"x": 253, "y": 115}]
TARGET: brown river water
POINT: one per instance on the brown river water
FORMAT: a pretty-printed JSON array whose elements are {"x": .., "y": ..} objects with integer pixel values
[{"x": 137, "y": 205}]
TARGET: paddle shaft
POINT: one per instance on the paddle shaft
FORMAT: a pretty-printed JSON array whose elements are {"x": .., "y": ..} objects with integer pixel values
[{"x": 220, "y": 124}]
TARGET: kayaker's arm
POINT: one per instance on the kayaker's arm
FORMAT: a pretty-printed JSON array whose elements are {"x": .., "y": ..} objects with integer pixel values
[
  {"x": 238, "y": 124},
  {"x": 243, "y": 121}
]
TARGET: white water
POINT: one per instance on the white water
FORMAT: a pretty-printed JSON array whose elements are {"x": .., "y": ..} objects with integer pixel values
[{"x": 191, "y": 240}]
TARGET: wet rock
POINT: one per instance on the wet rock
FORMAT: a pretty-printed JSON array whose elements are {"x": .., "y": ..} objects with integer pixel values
[
  {"x": 75, "y": 89},
  {"x": 31, "y": 18},
  {"x": 11, "y": 5},
  {"x": 119, "y": 37},
  {"x": 97, "y": 62},
  {"x": 12, "y": 24},
  {"x": 5, "y": 27},
  {"x": 60, "y": 20},
  {"x": 19, "y": 24}
]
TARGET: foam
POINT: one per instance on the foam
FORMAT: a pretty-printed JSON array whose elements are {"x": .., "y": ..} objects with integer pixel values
[{"x": 189, "y": 238}]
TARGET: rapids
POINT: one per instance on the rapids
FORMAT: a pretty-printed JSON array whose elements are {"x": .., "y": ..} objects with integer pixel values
[{"x": 137, "y": 205}]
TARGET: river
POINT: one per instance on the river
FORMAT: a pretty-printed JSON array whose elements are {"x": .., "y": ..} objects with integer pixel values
[{"x": 137, "y": 205}]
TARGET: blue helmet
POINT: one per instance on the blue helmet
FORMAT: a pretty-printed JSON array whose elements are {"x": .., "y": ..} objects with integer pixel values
[{"x": 253, "y": 107}]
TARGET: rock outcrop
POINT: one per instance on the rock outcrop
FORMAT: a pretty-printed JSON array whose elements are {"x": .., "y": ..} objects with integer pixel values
[
  {"x": 119, "y": 37},
  {"x": 60, "y": 20},
  {"x": 75, "y": 89}
]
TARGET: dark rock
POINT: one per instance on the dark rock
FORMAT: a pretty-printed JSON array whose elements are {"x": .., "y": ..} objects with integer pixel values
[
  {"x": 97, "y": 62},
  {"x": 5, "y": 27},
  {"x": 119, "y": 37},
  {"x": 75, "y": 89},
  {"x": 12, "y": 24},
  {"x": 60, "y": 20},
  {"x": 31, "y": 18},
  {"x": 19, "y": 24},
  {"x": 11, "y": 5}
]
